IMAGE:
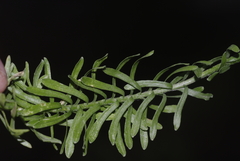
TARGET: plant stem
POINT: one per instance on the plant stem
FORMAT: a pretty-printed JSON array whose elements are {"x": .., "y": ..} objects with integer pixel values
[{"x": 157, "y": 91}]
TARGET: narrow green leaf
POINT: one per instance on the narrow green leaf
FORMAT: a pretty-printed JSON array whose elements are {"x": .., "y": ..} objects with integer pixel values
[
  {"x": 224, "y": 58},
  {"x": 52, "y": 84},
  {"x": 124, "y": 61},
  {"x": 101, "y": 85},
  {"x": 183, "y": 69},
  {"x": 204, "y": 62},
  {"x": 225, "y": 68},
  {"x": 166, "y": 69},
  {"x": 24, "y": 142},
  {"x": 122, "y": 76},
  {"x": 86, "y": 136},
  {"x": 26, "y": 74},
  {"x": 112, "y": 133},
  {"x": 144, "y": 139},
  {"x": 47, "y": 68},
  {"x": 52, "y": 120},
  {"x": 46, "y": 138},
  {"x": 150, "y": 83},
  {"x": 144, "y": 131},
  {"x": 178, "y": 113},
  {"x": 81, "y": 122},
  {"x": 197, "y": 94},
  {"x": 69, "y": 146},
  {"x": 37, "y": 73},
  {"x": 77, "y": 68},
  {"x": 119, "y": 142},
  {"x": 153, "y": 127},
  {"x": 29, "y": 98},
  {"x": 99, "y": 122},
  {"x": 119, "y": 67},
  {"x": 199, "y": 89},
  {"x": 198, "y": 72},
  {"x": 170, "y": 109},
  {"x": 7, "y": 66},
  {"x": 135, "y": 64},
  {"x": 127, "y": 129},
  {"x": 34, "y": 109},
  {"x": 96, "y": 64},
  {"x": 233, "y": 48},
  {"x": 137, "y": 120},
  {"x": 176, "y": 79},
  {"x": 81, "y": 85},
  {"x": 49, "y": 93},
  {"x": 212, "y": 76}
]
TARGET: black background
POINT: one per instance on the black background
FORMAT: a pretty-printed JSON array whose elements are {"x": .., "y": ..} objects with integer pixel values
[{"x": 182, "y": 31}]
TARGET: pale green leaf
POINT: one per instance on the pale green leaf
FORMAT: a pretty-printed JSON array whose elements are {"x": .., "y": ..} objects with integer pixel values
[
  {"x": 112, "y": 133},
  {"x": 101, "y": 85},
  {"x": 137, "y": 120},
  {"x": 178, "y": 113}
]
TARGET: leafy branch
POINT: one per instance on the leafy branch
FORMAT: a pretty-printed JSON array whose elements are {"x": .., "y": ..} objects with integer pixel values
[{"x": 42, "y": 102}]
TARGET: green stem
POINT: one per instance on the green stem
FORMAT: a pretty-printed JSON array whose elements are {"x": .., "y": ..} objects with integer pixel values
[{"x": 143, "y": 95}]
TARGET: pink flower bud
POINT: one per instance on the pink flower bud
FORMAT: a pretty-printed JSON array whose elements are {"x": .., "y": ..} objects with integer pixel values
[{"x": 3, "y": 77}]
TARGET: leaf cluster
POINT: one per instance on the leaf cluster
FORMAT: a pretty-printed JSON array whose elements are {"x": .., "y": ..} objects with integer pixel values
[{"x": 42, "y": 102}]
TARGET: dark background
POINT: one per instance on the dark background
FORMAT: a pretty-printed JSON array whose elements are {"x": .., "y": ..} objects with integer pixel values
[{"x": 182, "y": 31}]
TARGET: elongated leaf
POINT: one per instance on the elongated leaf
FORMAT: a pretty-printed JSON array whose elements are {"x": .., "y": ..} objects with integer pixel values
[
  {"x": 52, "y": 84},
  {"x": 34, "y": 109},
  {"x": 178, "y": 113},
  {"x": 82, "y": 121},
  {"x": 49, "y": 93},
  {"x": 233, "y": 48},
  {"x": 170, "y": 109},
  {"x": 46, "y": 138},
  {"x": 222, "y": 67},
  {"x": 127, "y": 129},
  {"x": 69, "y": 146},
  {"x": 24, "y": 142},
  {"x": 225, "y": 68},
  {"x": 86, "y": 136},
  {"x": 50, "y": 121},
  {"x": 119, "y": 142},
  {"x": 27, "y": 97},
  {"x": 96, "y": 64},
  {"x": 26, "y": 74},
  {"x": 134, "y": 66},
  {"x": 37, "y": 73},
  {"x": 197, "y": 94},
  {"x": 47, "y": 68},
  {"x": 117, "y": 74},
  {"x": 112, "y": 133},
  {"x": 144, "y": 131},
  {"x": 144, "y": 139},
  {"x": 7, "y": 66},
  {"x": 99, "y": 122},
  {"x": 22, "y": 103},
  {"x": 101, "y": 85},
  {"x": 80, "y": 84},
  {"x": 183, "y": 69},
  {"x": 119, "y": 67},
  {"x": 204, "y": 62},
  {"x": 124, "y": 61},
  {"x": 137, "y": 120},
  {"x": 166, "y": 69},
  {"x": 212, "y": 76},
  {"x": 153, "y": 127},
  {"x": 77, "y": 68},
  {"x": 150, "y": 83}
]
